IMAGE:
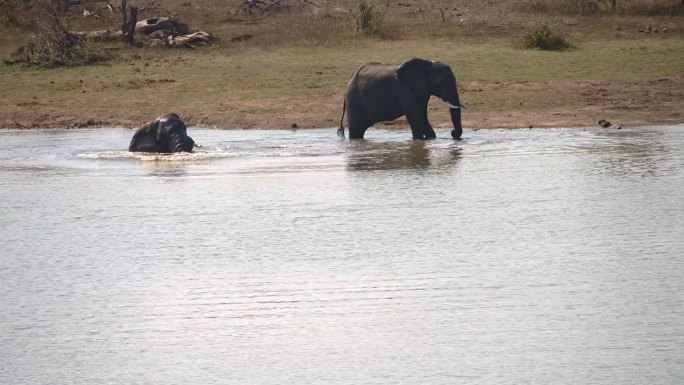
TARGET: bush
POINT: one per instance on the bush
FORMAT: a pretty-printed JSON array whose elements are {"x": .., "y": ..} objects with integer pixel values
[
  {"x": 369, "y": 17},
  {"x": 52, "y": 44},
  {"x": 540, "y": 36}
]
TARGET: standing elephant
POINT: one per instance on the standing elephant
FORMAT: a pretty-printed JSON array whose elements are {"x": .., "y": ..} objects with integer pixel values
[
  {"x": 164, "y": 134},
  {"x": 378, "y": 92}
]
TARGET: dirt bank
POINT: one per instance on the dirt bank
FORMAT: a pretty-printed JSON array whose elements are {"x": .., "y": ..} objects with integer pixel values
[{"x": 628, "y": 103}]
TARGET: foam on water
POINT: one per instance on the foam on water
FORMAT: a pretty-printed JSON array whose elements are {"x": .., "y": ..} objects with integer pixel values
[{"x": 179, "y": 157}]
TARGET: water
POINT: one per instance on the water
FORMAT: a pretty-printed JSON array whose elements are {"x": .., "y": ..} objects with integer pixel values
[{"x": 278, "y": 257}]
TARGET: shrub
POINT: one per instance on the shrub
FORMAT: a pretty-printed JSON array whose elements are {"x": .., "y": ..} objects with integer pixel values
[
  {"x": 368, "y": 18},
  {"x": 541, "y": 36},
  {"x": 52, "y": 44}
]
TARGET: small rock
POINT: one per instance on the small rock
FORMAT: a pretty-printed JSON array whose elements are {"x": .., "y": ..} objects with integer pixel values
[
  {"x": 604, "y": 123},
  {"x": 294, "y": 125}
]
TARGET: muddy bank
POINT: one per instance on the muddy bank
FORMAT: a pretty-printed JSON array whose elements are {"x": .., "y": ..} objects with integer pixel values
[{"x": 637, "y": 102}]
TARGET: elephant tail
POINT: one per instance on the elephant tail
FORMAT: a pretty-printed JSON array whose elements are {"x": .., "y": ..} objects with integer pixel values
[{"x": 340, "y": 131}]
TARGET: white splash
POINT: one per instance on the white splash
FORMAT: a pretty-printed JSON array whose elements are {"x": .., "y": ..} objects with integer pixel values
[{"x": 183, "y": 157}]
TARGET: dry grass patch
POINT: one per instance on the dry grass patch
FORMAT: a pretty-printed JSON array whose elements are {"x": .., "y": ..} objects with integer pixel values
[
  {"x": 295, "y": 66},
  {"x": 255, "y": 87}
]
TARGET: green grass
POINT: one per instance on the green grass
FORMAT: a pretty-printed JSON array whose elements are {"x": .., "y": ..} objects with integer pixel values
[
  {"x": 297, "y": 70},
  {"x": 221, "y": 83}
]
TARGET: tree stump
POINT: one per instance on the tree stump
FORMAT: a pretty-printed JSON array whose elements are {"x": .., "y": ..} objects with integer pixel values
[{"x": 128, "y": 23}]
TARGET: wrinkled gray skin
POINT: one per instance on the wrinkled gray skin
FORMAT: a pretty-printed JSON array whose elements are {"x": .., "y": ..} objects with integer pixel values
[
  {"x": 378, "y": 93},
  {"x": 165, "y": 134}
]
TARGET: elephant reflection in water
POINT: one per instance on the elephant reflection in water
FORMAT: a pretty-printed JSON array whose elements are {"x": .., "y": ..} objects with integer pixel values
[{"x": 415, "y": 155}]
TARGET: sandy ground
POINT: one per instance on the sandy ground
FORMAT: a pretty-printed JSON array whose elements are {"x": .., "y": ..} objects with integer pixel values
[{"x": 655, "y": 101}]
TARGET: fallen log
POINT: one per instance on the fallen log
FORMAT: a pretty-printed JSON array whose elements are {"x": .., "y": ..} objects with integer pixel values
[
  {"x": 189, "y": 41},
  {"x": 168, "y": 24},
  {"x": 152, "y": 28},
  {"x": 98, "y": 36}
]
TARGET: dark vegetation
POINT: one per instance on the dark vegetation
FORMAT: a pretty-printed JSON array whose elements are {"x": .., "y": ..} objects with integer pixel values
[
  {"x": 368, "y": 17},
  {"x": 542, "y": 37},
  {"x": 51, "y": 44}
]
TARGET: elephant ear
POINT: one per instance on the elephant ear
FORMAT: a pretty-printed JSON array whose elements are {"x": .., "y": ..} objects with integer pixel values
[{"x": 410, "y": 66}]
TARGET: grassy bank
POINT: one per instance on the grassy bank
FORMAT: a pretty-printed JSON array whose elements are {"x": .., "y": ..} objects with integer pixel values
[{"x": 278, "y": 81}]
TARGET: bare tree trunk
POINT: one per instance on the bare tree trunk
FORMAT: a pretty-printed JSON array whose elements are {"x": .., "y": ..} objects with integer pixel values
[{"x": 128, "y": 23}]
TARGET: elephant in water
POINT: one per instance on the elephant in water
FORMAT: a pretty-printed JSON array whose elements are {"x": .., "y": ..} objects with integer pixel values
[
  {"x": 164, "y": 134},
  {"x": 378, "y": 93}
]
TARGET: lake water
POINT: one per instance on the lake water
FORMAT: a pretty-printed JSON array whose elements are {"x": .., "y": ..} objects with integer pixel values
[{"x": 292, "y": 257}]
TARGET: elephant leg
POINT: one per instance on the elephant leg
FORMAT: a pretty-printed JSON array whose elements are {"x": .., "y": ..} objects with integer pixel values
[
  {"x": 416, "y": 114},
  {"x": 357, "y": 130},
  {"x": 357, "y": 118},
  {"x": 420, "y": 127},
  {"x": 429, "y": 133},
  {"x": 358, "y": 123}
]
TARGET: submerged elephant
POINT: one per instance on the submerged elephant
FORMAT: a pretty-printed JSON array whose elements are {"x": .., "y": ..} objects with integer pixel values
[
  {"x": 164, "y": 134},
  {"x": 378, "y": 93}
]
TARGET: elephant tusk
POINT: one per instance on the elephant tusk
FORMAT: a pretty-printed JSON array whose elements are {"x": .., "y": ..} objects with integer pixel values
[
  {"x": 457, "y": 107},
  {"x": 197, "y": 145}
]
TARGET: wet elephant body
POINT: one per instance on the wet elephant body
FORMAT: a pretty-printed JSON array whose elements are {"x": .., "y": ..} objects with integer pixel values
[
  {"x": 165, "y": 134},
  {"x": 378, "y": 92}
]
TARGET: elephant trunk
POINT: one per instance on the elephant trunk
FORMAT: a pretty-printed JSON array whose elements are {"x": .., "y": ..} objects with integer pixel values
[
  {"x": 179, "y": 144},
  {"x": 449, "y": 94},
  {"x": 455, "y": 111}
]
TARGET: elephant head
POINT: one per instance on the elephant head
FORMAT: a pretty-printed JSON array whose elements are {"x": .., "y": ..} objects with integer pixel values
[
  {"x": 165, "y": 134},
  {"x": 425, "y": 78}
]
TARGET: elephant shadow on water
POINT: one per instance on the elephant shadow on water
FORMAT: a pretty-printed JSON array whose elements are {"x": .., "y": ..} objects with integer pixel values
[{"x": 412, "y": 155}]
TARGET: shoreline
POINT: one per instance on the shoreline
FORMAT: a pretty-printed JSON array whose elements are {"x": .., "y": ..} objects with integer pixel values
[{"x": 473, "y": 122}]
